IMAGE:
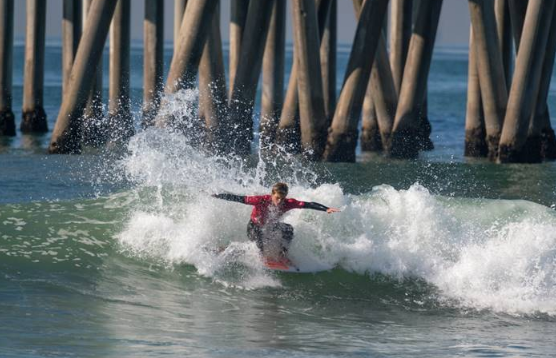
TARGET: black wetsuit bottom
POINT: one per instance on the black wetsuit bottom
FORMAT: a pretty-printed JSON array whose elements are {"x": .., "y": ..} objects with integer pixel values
[{"x": 275, "y": 237}]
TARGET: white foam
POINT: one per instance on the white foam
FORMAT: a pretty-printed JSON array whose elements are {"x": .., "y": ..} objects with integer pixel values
[{"x": 482, "y": 254}]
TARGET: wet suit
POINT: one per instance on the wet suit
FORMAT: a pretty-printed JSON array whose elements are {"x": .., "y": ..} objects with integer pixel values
[{"x": 263, "y": 227}]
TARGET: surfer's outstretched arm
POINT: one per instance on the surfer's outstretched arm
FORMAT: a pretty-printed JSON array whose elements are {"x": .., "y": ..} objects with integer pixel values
[
  {"x": 319, "y": 207},
  {"x": 230, "y": 197}
]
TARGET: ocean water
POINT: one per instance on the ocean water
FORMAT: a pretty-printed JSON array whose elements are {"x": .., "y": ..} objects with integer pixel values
[{"x": 113, "y": 253}]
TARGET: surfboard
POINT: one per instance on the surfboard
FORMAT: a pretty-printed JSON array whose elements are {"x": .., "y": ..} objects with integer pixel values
[{"x": 283, "y": 265}]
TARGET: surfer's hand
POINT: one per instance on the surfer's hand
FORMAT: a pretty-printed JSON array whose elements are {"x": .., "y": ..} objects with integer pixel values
[{"x": 332, "y": 210}]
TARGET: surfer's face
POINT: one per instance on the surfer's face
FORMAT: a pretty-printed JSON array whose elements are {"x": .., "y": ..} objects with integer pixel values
[{"x": 277, "y": 198}]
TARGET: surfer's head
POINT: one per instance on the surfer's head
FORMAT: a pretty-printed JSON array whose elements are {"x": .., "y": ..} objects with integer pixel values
[{"x": 279, "y": 193}]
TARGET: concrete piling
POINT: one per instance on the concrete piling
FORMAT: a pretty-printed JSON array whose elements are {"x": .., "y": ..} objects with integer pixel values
[
  {"x": 475, "y": 132},
  {"x": 7, "y": 121},
  {"x": 120, "y": 121},
  {"x": 328, "y": 59},
  {"x": 212, "y": 90},
  {"x": 313, "y": 122},
  {"x": 504, "y": 31},
  {"x": 343, "y": 133},
  {"x": 179, "y": 11},
  {"x": 407, "y": 134},
  {"x": 94, "y": 128},
  {"x": 153, "y": 60},
  {"x": 67, "y": 131},
  {"x": 71, "y": 33},
  {"x": 384, "y": 95},
  {"x": 517, "y": 9},
  {"x": 525, "y": 87},
  {"x": 34, "y": 116},
  {"x": 541, "y": 115},
  {"x": 381, "y": 99},
  {"x": 272, "y": 97},
  {"x": 494, "y": 94},
  {"x": 401, "y": 15},
  {"x": 194, "y": 31},
  {"x": 238, "y": 14},
  {"x": 247, "y": 75}
]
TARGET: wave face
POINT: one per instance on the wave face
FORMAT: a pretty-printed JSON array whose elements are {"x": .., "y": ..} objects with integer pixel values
[{"x": 476, "y": 253}]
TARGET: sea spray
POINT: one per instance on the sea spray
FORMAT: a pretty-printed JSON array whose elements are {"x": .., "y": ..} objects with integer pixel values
[{"x": 477, "y": 253}]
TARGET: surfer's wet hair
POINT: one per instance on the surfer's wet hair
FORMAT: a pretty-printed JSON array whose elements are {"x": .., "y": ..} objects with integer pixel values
[{"x": 280, "y": 188}]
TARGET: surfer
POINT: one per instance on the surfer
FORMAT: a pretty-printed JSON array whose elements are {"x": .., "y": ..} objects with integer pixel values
[{"x": 264, "y": 227}]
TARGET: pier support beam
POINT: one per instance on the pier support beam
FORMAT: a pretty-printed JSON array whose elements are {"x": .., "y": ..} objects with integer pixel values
[
  {"x": 381, "y": 99},
  {"x": 273, "y": 76},
  {"x": 94, "y": 128},
  {"x": 384, "y": 96},
  {"x": 238, "y": 14},
  {"x": 34, "y": 116},
  {"x": 153, "y": 59},
  {"x": 120, "y": 121},
  {"x": 517, "y": 9},
  {"x": 195, "y": 27},
  {"x": 313, "y": 123},
  {"x": 245, "y": 84},
  {"x": 343, "y": 133},
  {"x": 525, "y": 86},
  {"x": 288, "y": 135},
  {"x": 407, "y": 134},
  {"x": 66, "y": 135},
  {"x": 7, "y": 121},
  {"x": 475, "y": 132},
  {"x": 71, "y": 33},
  {"x": 548, "y": 139},
  {"x": 504, "y": 30},
  {"x": 401, "y": 15},
  {"x": 179, "y": 11},
  {"x": 328, "y": 45},
  {"x": 490, "y": 67},
  {"x": 194, "y": 31},
  {"x": 212, "y": 90}
]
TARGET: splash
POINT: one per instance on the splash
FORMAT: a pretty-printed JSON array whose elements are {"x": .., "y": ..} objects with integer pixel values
[{"x": 479, "y": 254}]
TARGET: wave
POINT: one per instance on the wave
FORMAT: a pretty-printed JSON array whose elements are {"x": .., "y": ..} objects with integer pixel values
[
  {"x": 481, "y": 254},
  {"x": 497, "y": 255}
]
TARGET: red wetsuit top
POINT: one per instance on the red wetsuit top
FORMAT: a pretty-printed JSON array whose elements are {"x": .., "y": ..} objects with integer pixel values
[{"x": 264, "y": 211}]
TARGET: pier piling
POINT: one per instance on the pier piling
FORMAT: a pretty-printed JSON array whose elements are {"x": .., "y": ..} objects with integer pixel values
[
  {"x": 153, "y": 59},
  {"x": 475, "y": 132},
  {"x": 401, "y": 17},
  {"x": 67, "y": 131},
  {"x": 7, "y": 120},
  {"x": 525, "y": 87},
  {"x": 548, "y": 139},
  {"x": 213, "y": 99},
  {"x": 313, "y": 122},
  {"x": 71, "y": 33},
  {"x": 34, "y": 116},
  {"x": 193, "y": 33},
  {"x": 179, "y": 11},
  {"x": 238, "y": 14},
  {"x": 492, "y": 81},
  {"x": 120, "y": 121},
  {"x": 94, "y": 128},
  {"x": 504, "y": 31},
  {"x": 343, "y": 132},
  {"x": 272, "y": 97},
  {"x": 407, "y": 133},
  {"x": 328, "y": 44},
  {"x": 247, "y": 75}
]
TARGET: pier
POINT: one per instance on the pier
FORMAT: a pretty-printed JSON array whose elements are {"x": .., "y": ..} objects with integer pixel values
[{"x": 381, "y": 105}]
